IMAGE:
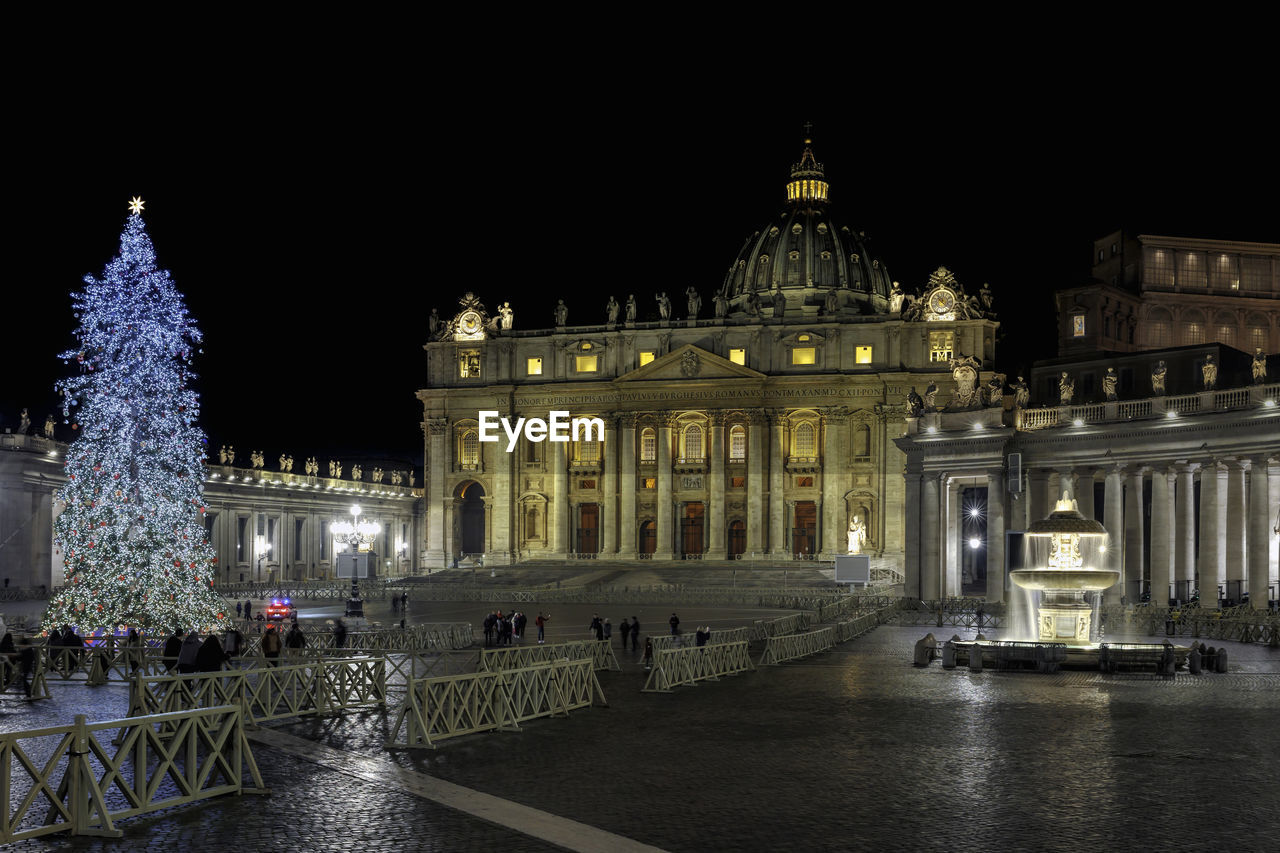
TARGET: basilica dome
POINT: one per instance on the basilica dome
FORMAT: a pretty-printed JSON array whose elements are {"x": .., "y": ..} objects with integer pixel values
[{"x": 802, "y": 255}]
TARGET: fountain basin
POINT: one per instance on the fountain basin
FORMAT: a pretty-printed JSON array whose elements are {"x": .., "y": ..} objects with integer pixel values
[{"x": 1080, "y": 580}]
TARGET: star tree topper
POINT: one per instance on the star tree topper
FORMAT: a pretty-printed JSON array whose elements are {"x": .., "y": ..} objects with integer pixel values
[{"x": 136, "y": 204}]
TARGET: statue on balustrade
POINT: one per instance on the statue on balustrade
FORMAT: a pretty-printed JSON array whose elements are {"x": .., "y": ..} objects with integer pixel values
[
  {"x": 377, "y": 475},
  {"x": 288, "y": 463},
  {"x": 1109, "y": 384},
  {"x": 896, "y": 298},
  {"x": 1209, "y": 373},
  {"x": 930, "y": 392},
  {"x": 831, "y": 303},
  {"x": 915, "y": 405},
  {"x": 24, "y": 423},
  {"x": 779, "y": 302},
  {"x": 282, "y": 461},
  {"x": 507, "y": 317},
  {"x": 984, "y": 296},
  {"x": 395, "y": 478},
  {"x": 611, "y": 310},
  {"x": 631, "y": 308},
  {"x": 995, "y": 391},
  {"x": 357, "y": 472},
  {"x": 1021, "y": 393},
  {"x": 694, "y": 303},
  {"x": 1157, "y": 378},
  {"x": 1259, "y": 366},
  {"x": 48, "y": 426},
  {"x": 721, "y": 303},
  {"x": 1066, "y": 389},
  {"x": 222, "y": 455},
  {"x": 664, "y": 305},
  {"x": 562, "y": 313},
  {"x": 433, "y": 324},
  {"x": 411, "y": 479},
  {"x": 231, "y": 454},
  {"x": 337, "y": 470},
  {"x": 333, "y": 466},
  {"x": 751, "y": 304}
]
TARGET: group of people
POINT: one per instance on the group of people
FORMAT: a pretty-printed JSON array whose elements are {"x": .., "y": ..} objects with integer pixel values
[
  {"x": 22, "y": 659},
  {"x": 500, "y": 628},
  {"x": 400, "y": 602},
  {"x": 603, "y": 630}
]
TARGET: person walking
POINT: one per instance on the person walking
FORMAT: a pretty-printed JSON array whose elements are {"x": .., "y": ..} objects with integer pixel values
[
  {"x": 648, "y": 652},
  {"x": 172, "y": 648},
  {"x": 404, "y": 602},
  {"x": 339, "y": 634},
  {"x": 133, "y": 650},
  {"x": 625, "y": 629},
  {"x": 608, "y": 629},
  {"x": 295, "y": 640},
  {"x": 271, "y": 646},
  {"x": 188, "y": 652},
  {"x": 232, "y": 643},
  {"x": 675, "y": 624},
  {"x": 521, "y": 621},
  {"x": 239, "y": 607},
  {"x": 489, "y": 621},
  {"x": 596, "y": 626},
  {"x": 248, "y": 608},
  {"x": 541, "y": 622},
  {"x": 635, "y": 633}
]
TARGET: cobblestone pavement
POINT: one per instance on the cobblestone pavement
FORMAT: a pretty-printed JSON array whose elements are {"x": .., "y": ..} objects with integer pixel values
[{"x": 853, "y": 749}]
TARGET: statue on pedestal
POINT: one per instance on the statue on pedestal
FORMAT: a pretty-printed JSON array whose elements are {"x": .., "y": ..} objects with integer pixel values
[
  {"x": 779, "y": 303},
  {"x": 721, "y": 305},
  {"x": 1157, "y": 378},
  {"x": 282, "y": 461},
  {"x": 915, "y": 405},
  {"x": 995, "y": 391},
  {"x": 664, "y": 306},
  {"x": 357, "y": 473},
  {"x": 1066, "y": 389},
  {"x": 48, "y": 426},
  {"x": 231, "y": 455},
  {"x": 831, "y": 303},
  {"x": 1259, "y": 366},
  {"x": 411, "y": 479},
  {"x": 507, "y": 317},
  {"x": 337, "y": 470},
  {"x": 333, "y": 466},
  {"x": 857, "y": 534},
  {"x": 1021, "y": 393},
  {"x": 611, "y": 310},
  {"x": 1109, "y": 384},
  {"x": 377, "y": 475},
  {"x": 930, "y": 392},
  {"x": 24, "y": 423},
  {"x": 1209, "y": 373},
  {"x": 984, "y": 296},
  {"x": 965, "y": 372},
  {"x": 896, "y": 298},
  {"x": 562, "y": 313},
  {"x": 288, "y": 463},
  {"x": 222, "y": 455},
  {"x": 751, "y": 304},
  {"x": 433, "y": 323},
  {"x": 694, "y": 303},
  {"x": 631, "y": 308}
]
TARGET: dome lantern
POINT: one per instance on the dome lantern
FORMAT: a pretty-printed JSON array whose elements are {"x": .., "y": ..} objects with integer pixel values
[{"x": 808, "y": 183}]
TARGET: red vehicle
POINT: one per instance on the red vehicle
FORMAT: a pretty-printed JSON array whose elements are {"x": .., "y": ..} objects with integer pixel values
[{"x": 281, "y": 609}]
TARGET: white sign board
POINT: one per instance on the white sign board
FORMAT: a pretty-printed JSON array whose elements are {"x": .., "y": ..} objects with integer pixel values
[{"x": 855, "y": 568}]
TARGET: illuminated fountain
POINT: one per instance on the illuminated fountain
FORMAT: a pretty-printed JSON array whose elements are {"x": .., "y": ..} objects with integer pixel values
[{"x": 1075, "y": 545}]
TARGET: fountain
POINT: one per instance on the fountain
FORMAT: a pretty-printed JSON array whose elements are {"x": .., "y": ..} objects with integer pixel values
[{"x": 1075, "y": 544}]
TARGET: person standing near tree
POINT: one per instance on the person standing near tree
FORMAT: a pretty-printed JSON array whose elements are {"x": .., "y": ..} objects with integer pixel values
[
  {"x": 172, "y": 648},
  {"x": 271, "y": 646}
]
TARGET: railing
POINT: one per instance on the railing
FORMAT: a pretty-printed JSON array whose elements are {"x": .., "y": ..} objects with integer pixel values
[
  {"x": 1235, "y": 398},
  {"x": 600, "y": 652},
  {"x": 673, "y": 667},
  {"x": 787, "y": 647},
  {"x": 972, "y": 613},
  {"x": 1183, "y": 405},
  {"x": 1135, "y": 409},
  {"x": 1037, "y": 418},
  {"x": 419, "y": 638},
  {"x": 450, "y": 706},
  {"x": 763, "y": 629},
  {"x": 162, "y": 761},
  {"x": 26, "y": 677},
  {"x": 855, "y": 628},
  {"x": 1240, "y": 624},
  {"x": 1088, "y": 412},
  {"x": 719, "y": 635}
]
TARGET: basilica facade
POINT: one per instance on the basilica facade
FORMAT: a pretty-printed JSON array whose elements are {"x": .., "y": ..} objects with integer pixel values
[{"x": 761, "y": 425}]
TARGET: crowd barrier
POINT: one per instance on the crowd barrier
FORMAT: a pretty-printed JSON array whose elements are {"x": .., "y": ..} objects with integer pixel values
[
  {"x": 762, "y": 629},
  {"x": 675, "y": 667},
  {"x": 718, "y": 635},
  {"x": 1043, "y": 657},
  {"x": 451, "y": 706},
  {"x": 1240, "y": 624},
  {"x": 600, "y": 652},
  {"x": 785, "y": 647},
  {"x": 972, "y": 613},
  {"x": 30, "y": 685},
  {"x": 82, "y": 787}
]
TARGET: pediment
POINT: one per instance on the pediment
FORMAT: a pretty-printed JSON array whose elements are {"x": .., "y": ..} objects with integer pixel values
[{"x": 690, "y": 363}]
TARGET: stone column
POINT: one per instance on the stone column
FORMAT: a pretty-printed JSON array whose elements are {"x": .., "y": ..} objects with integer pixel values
[
  {"x": 912, "y": 548},
  {"x": 995, "y": 535},
  {"x": 930, "y": 562},
  {"x": 560, "y": 535},
  {"x": 756, "y": 431},
  {"x": 716, "y": 549},
  {"x": 628, "y": 537},
  {"x": 777, "y": 508},
  {"x": 1039, "y": 506},
  {"x": 437, "y": 464},
  {"x": 663, "y": 513},
  {"x": 1260, "y": 533},
  {"x": 1161, "y": 535},
  {"x": 834, "y": 524},
  {"x": 1113, "y": 512},
  {"x": 1236, "y": 520},
  {"x": 1083, "y": 492},
  {"x": 1133, "y": 539},
  {"x": 609, "y": 489},
  {"x": 952, "y": 540},
  {"x": 1184, "y": 529},
  {"x": 499, "y": 509},
  {"x": 1212, "y": 564}
]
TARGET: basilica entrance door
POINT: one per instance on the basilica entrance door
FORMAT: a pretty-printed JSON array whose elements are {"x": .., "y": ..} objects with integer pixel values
[
  {"x": 737, "y": 539},
  {"x": 588, "y": 529},
  {"x": 471, "y": 513},
  {"x": 804, "y": 532},
  {"x": 648, "y": 538},
  {"x": 691, "y": 528}
]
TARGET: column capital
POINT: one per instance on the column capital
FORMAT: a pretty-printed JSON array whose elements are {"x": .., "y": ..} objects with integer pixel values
[
  {"x": 717, "y": 418},
  {"x": 627, "y": 420},
  {"x": 438, "y": 426},
  {"x": 667, "y": 420}
]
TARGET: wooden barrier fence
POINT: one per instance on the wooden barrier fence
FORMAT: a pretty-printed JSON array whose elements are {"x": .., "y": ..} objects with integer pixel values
[
  {"x": 82, "y": 787},
  {"x": 450, "y": 706}
]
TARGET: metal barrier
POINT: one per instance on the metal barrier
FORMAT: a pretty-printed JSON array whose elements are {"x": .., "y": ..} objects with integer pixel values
[
  {"x": 853, "y": 628},
  {"x": 794, "y": 646},
  {"x": 831, "y": 610},
  {"x": 1241, "y": 624},
  {"x": 674, "y": 667},
  {"x": 762, "y": 629},
  {"x": 718, "y": 635},
  {"x": 440, "y": 708},
  {"x": 203, "y": 754},
  {"x": 31, "y": 685},
  {"x": 456, "y": 635},
  {"x": 1115, "y": 657},
  {"x": 972, "y": 613},
  {"x": 600, "y": 653}
]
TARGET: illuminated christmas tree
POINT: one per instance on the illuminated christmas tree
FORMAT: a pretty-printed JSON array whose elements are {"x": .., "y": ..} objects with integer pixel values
[{"x": 132, "y": 533}]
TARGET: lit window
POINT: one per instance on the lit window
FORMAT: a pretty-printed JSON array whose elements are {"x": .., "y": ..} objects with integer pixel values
[
  {"x": 533, "y": 367},
  {"x": 469, "y": 364},
  {"x": 804, "y": 339},
  {"x": 648, "y": 445},
  {"x": 693, "y": 442},
  {"x": 586, "y": 347},
  {"x": 804, "y": 482},
  {"x": 941, "y": 346},
  {"x": 650, "y": 483},
  {"x": 805, "y": 440},
  {"x": 738, "y": 356},
  {"x": 469, "y": 454},
  {"x": 587, "y": 363},
  {"x": 588, "y": 451},
  {"x": 1077, "y": 326},
  {"x": 737, "y": 443},
  {"x": 862, "y": 355},
  {"x": 738, "y": 482},
  {"x": 646, "y": 356},
  {"x": 804, "y": 355}
]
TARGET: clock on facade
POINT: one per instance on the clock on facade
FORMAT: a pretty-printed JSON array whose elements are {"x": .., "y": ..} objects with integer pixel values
[{"x": 942, "y": 301}]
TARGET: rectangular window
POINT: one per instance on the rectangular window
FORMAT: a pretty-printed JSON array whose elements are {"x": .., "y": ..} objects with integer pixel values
[
  {"x": 941, "y": 345},
  {"x": 297, "y": 539},
  {"x": 469, "y": 364},
  {"x": 1224, "y": 272},
  {"x": 738, "y": 482},
  {"x": 650, "y": 482},
  {"x": 862, "y": 355},
  {"x": 533, "y": 367},
  {"x": 804, "y": 355},
  {"x": 737, "y": 444},
  {"x": 1191, "y": 271},
  {"x": 646, "y": 356},
  {"x": 738, "y": 356},
  {"x": 586, "y": 484},
  {"x": 648, "y": 446},
  {"x": 1158, "y": 264},
  {"x": 1077, "y": 326},
  {"x": 1255, "y": 274},
  {"x": 586, "y": 363}
]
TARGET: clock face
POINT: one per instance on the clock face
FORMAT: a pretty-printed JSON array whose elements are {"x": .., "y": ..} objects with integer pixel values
[
  {"x": 942, "y": 301},
  {"x": 469, "y": 322}
]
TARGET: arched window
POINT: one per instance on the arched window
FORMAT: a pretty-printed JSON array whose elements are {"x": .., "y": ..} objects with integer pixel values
[
  {"x": 737, "y": 443},
  {"x": 588, "y": 450},
  {"x": 1192, "y": 328},
  {"x": 862, "y": 442},
  {"x": 1160, "y": 329},
  {"x": 469, "y": 448},
  {"x": 806, "y": 440},
  {"x": 1224, "y": 329},
  {"x": 648, "y": 445},
  {"x": 692, "y": 441}
]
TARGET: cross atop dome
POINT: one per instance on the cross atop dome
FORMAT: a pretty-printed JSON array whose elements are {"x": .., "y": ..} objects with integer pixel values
[{"x": 808, "y": 181}]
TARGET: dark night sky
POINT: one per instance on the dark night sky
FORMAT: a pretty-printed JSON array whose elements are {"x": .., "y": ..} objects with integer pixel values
[{"x": 312, "y": 241}]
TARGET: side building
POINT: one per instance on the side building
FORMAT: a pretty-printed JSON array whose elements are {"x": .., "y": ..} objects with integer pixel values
[{"x": 763, "y": 430}]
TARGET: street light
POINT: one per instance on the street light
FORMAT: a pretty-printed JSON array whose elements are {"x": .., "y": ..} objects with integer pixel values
[
  {"x": 359, "y": 536},
  {"x": 264, "y": 551}
]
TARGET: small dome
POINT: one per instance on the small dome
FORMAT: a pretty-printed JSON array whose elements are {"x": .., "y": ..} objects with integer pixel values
[{"x": 804, "y": 253}]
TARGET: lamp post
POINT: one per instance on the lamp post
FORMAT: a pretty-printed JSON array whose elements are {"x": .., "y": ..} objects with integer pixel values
[
  {"x": 264, "y": 551},
  {"x": 358, "y": 536}
]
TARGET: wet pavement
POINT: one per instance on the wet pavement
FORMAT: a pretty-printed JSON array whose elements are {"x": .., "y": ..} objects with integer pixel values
[{"x": 853, "y": 749}]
